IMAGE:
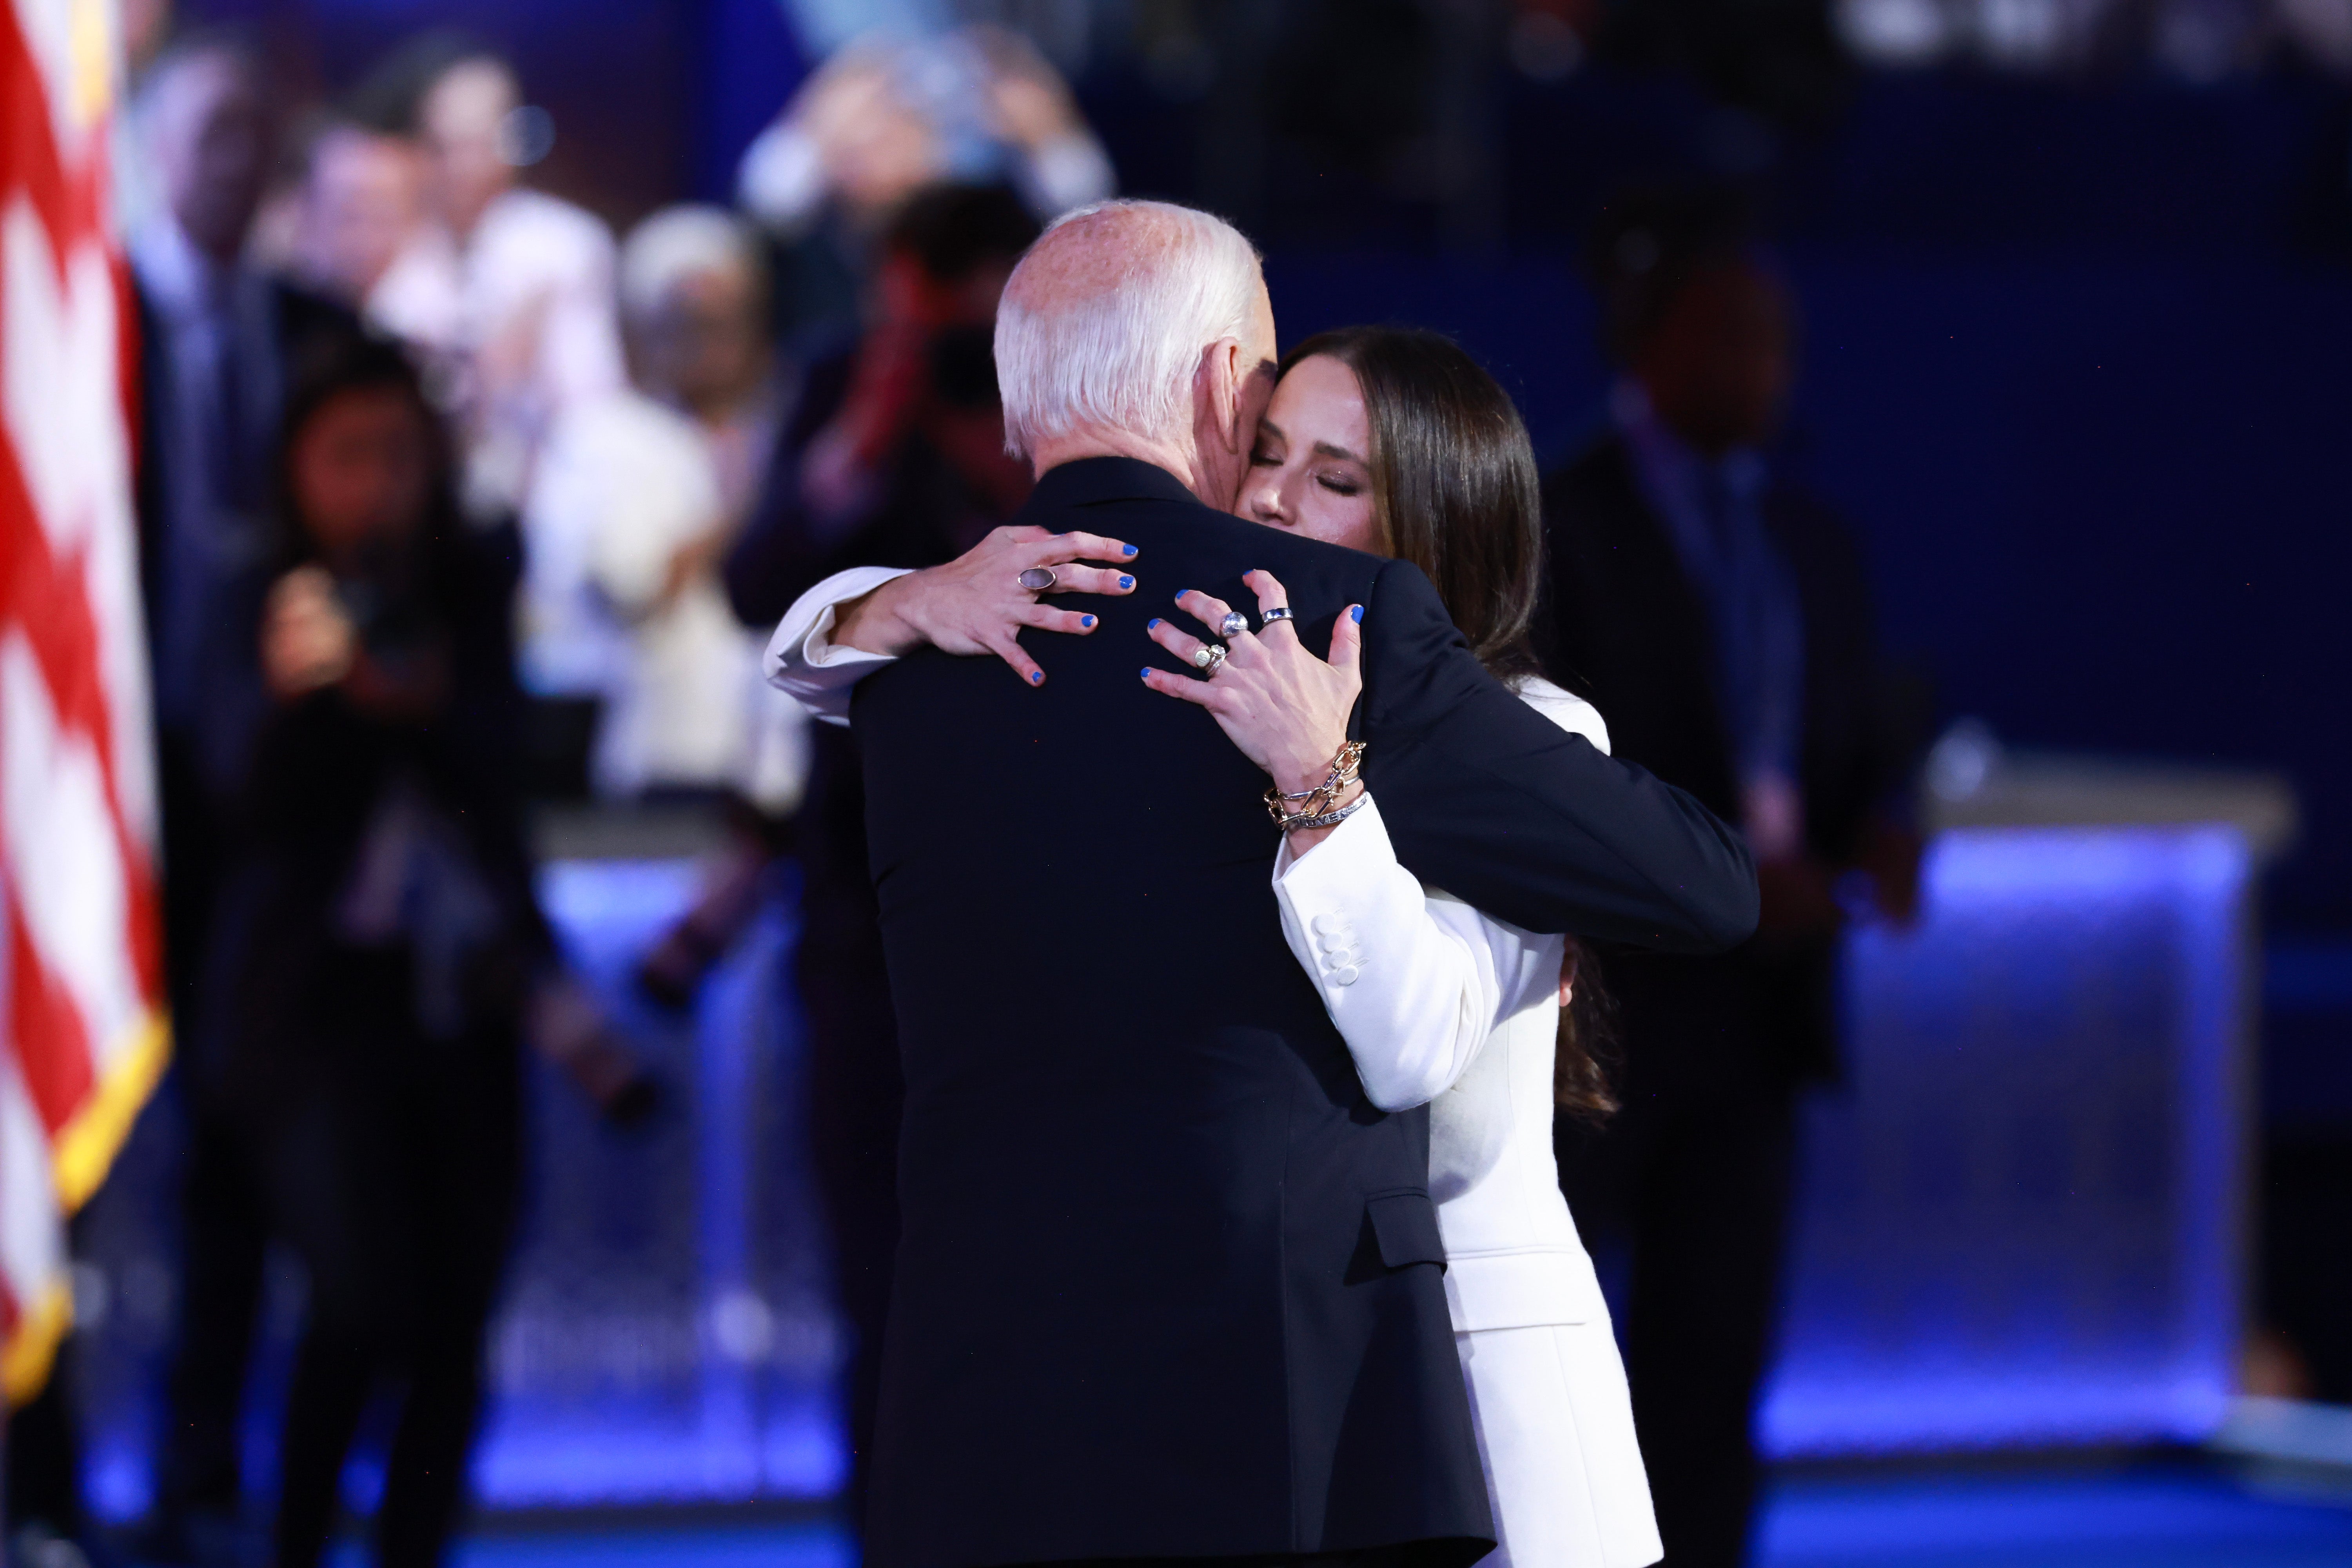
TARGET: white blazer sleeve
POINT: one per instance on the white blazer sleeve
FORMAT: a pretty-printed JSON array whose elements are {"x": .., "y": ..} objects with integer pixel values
[
  {"x": 802, "y": 662},
  {"x": 1414, "y": 979},
  {"x": 1413, "y": 983}
]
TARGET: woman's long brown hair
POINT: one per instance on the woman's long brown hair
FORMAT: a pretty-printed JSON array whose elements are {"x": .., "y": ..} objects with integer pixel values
[{"x": 1455, "y": 491}]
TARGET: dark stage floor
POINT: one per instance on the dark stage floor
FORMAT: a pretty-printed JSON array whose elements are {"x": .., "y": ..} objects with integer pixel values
[{"x": 2139, "y": 1517}]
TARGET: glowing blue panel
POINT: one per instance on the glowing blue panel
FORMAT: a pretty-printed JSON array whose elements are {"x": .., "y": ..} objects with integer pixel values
[
  {"x": 667, "y": 1333},
  {"x": 2019, "y": 1214}
]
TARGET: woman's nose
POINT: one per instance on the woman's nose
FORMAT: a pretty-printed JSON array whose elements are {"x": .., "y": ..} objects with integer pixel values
[{"x": 1266, "y": 501}]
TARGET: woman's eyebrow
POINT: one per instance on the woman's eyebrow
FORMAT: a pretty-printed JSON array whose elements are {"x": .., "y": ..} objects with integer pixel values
[
  {"x": 1329, "y": 450},
  {"x": 1268, "y": 428}
]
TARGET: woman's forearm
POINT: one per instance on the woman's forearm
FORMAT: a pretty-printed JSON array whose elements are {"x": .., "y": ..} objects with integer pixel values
[
  {"x": 879, "y": 622},
  {"x": 1412, "y": 987}
]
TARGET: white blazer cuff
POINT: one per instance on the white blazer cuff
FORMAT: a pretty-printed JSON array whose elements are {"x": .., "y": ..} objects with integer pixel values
[
  {"x": 1342, "y": 898},
  {"x": 804, "y": 663}
]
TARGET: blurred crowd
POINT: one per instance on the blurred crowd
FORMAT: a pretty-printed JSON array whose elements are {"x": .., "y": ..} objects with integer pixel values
[{"x": 450, "y": 498}]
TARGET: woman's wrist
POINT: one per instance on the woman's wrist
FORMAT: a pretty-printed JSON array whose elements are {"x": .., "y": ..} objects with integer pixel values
[
  {"x": 1325, "y": 797},
  {"x": 873, "y": 624},
  {"x": 1307, "y": 769},
  {"x": 1302, "y": 839}
]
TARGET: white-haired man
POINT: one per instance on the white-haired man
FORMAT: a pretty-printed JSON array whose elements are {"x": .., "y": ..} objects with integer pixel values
[{"x": 1168, "y": 1283}]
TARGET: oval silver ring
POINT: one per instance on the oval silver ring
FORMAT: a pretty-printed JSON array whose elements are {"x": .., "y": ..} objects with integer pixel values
[
  {"x": 1234, "y": 625},
  {"x": 1208, "y": 657},
  {"x": 1036, "y": 579},
  {"x": 1279, "y": 613}
]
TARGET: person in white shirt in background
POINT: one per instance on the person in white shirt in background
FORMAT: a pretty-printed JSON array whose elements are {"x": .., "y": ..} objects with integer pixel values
[
  {"x": 508, "y": 290},
  {"x": 632, "y": 506},
  {"x": 694, "y": 303},
  {"x": 1394, "y": 441},
  {"x": 636, "y": 496}
]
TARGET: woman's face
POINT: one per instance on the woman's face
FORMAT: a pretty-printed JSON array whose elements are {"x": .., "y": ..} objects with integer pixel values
[
  {"x": 360, "y": 470},
  {"x": 1311, "y": 470}
]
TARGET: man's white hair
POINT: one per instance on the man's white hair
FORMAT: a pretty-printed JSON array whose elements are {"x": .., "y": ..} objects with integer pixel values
[
  {"x": 1104, "y": 322},
  {"x": 680, "y": 242}
]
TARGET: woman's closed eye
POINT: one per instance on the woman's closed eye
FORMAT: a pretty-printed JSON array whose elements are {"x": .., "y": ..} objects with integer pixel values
[
  {"x": 1340, "y": 484},
  {"x": 1262, "y": 459}
]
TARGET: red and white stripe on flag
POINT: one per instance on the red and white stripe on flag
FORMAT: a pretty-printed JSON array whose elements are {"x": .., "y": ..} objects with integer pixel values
[{"x": 82, "y": 1034}]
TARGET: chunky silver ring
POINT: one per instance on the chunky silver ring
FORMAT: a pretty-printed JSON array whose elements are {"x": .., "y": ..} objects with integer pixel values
[
  {"x": 1036, "y": 579},
  {"x": 1208, "y": 657},
  {"x": 1234, "y": 625},
  {"x": 1279, "y": 613}
]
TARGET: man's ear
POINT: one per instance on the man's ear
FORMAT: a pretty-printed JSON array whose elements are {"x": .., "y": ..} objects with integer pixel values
[{"x": 1217, "y": 393}]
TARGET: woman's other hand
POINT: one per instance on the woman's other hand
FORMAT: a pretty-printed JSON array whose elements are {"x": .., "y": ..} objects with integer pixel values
[
  {"x": 307, "y": 640},
  {"x": 975, "y": 604},
  {"x": 1286, "y": 708}
]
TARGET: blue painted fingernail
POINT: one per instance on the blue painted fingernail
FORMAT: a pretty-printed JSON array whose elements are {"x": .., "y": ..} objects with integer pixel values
[
  {"x": 1126, "y": 582},
  {"x": 1128, "y": 548},
  {"x": 1356, "y": 615},
  {"x": 1181, "y": 593},
  {"x": 1036, "y": 675},
  {"x": 1151, "y": 624},
  {"x": 1086, "y": 620},
  {"x": 1147, "y": 672}
]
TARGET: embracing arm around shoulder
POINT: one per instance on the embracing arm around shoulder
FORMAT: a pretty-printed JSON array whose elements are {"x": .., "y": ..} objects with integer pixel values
[
  {"x": 803, "y": 661},
  {"x": 1490, "y": 800},
  {"x": 855, "y": 622}
]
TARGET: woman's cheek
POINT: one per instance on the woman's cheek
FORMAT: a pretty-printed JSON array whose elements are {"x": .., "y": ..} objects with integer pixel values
[
  {"x": 1348, "y": 522},
  {"x": 1324, "y": 520}
]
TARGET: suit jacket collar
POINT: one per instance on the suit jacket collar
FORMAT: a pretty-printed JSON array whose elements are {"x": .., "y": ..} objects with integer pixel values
[{"x": 1088, "y": 481}]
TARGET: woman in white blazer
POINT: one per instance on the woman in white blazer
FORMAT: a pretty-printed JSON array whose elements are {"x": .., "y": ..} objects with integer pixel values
[
  {"x": 1395, "y": 442},
  {"x": 1440, "y": 1004}
]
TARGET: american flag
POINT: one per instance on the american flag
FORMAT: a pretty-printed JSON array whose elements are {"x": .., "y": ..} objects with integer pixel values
[{"x": 82, "y": 1030}]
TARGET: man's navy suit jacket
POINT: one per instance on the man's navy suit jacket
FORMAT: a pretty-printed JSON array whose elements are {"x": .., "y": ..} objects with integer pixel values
[{"x": 1168, "y": 1283}]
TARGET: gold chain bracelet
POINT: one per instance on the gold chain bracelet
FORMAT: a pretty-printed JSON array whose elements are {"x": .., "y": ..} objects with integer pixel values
[{"x": 1347, "y": 766}]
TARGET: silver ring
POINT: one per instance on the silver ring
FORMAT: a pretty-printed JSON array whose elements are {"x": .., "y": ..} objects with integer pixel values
[
  {"x": 1234, "y": 625},
  {"x": 1279, "y": 613},
  {"x": 1208, "y": 658},
  {"x": 1036, "y": 579}
]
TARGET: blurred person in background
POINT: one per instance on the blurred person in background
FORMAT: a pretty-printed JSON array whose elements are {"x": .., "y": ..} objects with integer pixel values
[
  {"x": 694, "y": 301},
  {"x": 895, "y": 458},
  {"x": 218, "y": 341},
  {"x": 635, "y": 500},
  {"x": 882, "y": 118},
  {"x": 640, "y": 491},
  {"x": 361, "y": 201},
  {"x": 1720, "y": 616},
  {"x": 376, "y": 944},
  {"x": 508, "y": 289}
]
